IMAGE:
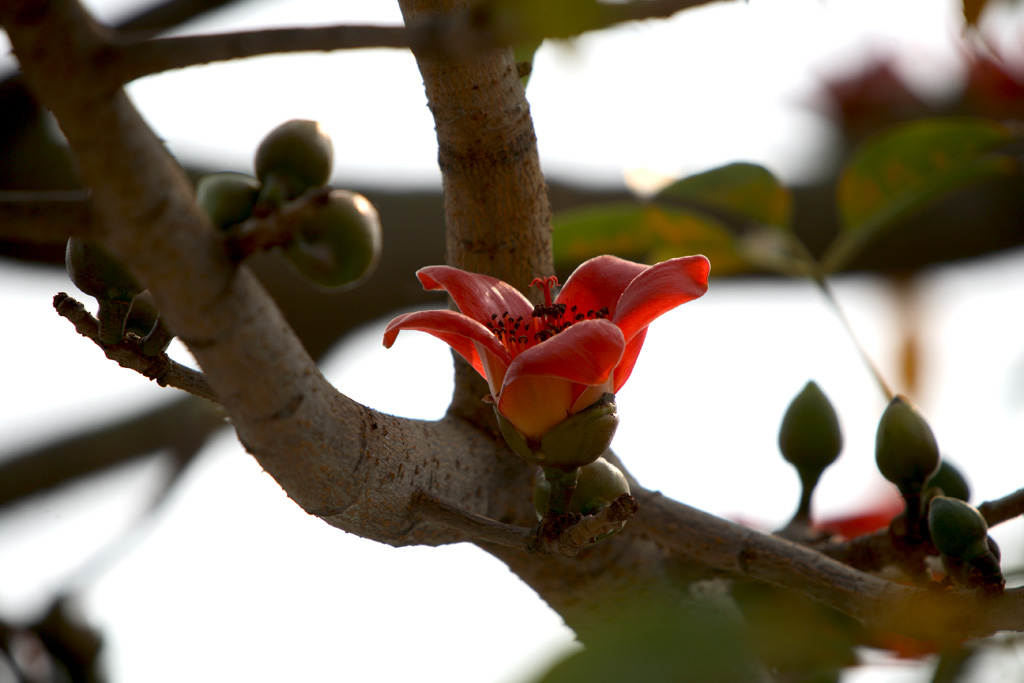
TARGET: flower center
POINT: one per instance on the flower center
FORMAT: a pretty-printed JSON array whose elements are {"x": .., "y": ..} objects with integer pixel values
[{"x": 546, "y": 320}]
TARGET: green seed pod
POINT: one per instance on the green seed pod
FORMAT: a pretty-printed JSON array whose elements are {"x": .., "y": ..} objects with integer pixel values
[
  {"x": 597, "y": 485},
  {"x": 581, "y": 438},
  {"x": 294, "y": 157},
  {"x": 227, "y": 198},
  {"x": 810, "y": 437},
  {"x": 143, "y": 314},
  {"x": 905, "y": 449},
  {"x": 97, "y": 273},
  {"x": 957, "y": 529},
  {"x": 949, "y": 480},
  {"x": 340, "y": 244}
]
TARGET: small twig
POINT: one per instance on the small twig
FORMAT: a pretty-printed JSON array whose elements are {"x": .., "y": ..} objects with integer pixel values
[
  {"x": 477, "y": 527},
  {"x": 567, "y": 542},
  {"x": 273, "y": 226},
  {"x": 161, "y": 369},
  {"x": 588, "y": 530}
]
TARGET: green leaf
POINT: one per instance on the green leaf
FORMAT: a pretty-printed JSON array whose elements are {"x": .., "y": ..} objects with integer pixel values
[
  {"x": 903, "y": 169},
  {"x": 642, "y": 232},
  {"x": 742, "y": 189}
]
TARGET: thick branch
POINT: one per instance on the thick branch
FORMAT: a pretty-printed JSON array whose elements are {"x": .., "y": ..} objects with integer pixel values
[{"x": 350, "y": 465}]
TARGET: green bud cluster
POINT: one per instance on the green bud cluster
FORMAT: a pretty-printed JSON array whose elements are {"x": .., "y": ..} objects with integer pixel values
[{"x": 334, "y": 244}]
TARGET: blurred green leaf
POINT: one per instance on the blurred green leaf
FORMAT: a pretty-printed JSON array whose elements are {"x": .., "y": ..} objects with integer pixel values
[
  {"x": 906, "y": 167},
  {"x": 667, "y": 642},
  {"x": 642, "y": 232},
  {"x": 742, "y": 189}
]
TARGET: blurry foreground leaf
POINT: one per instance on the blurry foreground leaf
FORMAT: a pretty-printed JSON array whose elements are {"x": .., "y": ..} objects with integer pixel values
[
  {"x": 642, "y": 232},
  {"x": 903, "y": 169},
  {"x": 661, "y": 642}
]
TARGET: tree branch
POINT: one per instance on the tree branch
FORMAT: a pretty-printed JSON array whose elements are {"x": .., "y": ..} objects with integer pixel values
[
  {"x": 471, "y": 31},
  {"x": 943, "y": 616},
  {"x": 44, "y": 217},
  {"x": 180, "y": 426},
  {"x": 162, "y": 369},
  {"x": 352, "y": 466},
  {"x": 567, "y": 541}
]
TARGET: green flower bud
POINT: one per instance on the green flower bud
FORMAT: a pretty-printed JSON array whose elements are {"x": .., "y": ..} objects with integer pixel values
[
  {"x": 957, "y": 529},
  {"x": 142, "y": 315},
  {"x": 227, "y": 198},
  {"x": 949, "y": 480},
  {"x": 810, "y": 437},
  {"x": 294, "y": 157},
  {"x": 597, "y": 485},
  {"x": 905, "y": 449},
  {"x": 97, "y": 273},
  {"x": 340, "y": 244},
  {"x": 578, "y": 440}
]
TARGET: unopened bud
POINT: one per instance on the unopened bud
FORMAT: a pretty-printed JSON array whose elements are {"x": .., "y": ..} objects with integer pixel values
[
  {"x": 597, "y": 485},
  {"x": 905, "y": 447},
  {"x": 810, "y": 437},
  {"x": 949, "y": 480},
  {"x": 957, "y": 529}
]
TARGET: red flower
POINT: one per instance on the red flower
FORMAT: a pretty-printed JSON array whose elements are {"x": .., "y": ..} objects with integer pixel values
[{"x": 544, "y": 363}]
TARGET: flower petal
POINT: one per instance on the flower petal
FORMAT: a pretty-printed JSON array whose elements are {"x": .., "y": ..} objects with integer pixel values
[
  {"x": 599, "y": 283},
  {"x": 478, "y": 296},
  {"x": 543, "y": 382},
  {"x": 459, "y": 331},
  {"x": 657, "y": 290}
]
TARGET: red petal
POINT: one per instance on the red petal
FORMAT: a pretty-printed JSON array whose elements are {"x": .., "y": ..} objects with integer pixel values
[
  {"x": 599, "y": 283},
  {"x": 478, "y": 296},
  {"x": 629, "y": 356},
  {"x": 658, "y": 290},
  {"x": 455, "y": 329},
  {"x": 585, "y": 354}
]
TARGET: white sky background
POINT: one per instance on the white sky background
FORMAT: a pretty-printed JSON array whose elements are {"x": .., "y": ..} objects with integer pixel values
[{"x": 234, "y": 582}]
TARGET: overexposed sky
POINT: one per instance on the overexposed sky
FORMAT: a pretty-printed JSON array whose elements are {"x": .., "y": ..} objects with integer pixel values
[{"x": 234, "y": 582}]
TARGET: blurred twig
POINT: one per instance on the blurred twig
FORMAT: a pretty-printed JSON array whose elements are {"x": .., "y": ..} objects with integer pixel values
[{"x": 181, "y": 426}]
